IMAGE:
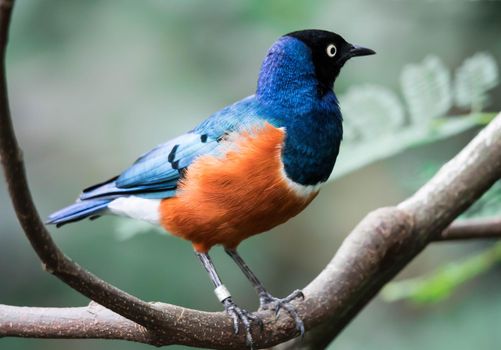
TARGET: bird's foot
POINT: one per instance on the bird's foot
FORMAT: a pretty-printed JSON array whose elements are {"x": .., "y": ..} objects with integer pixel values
[
  {"x": 238, "y": 314},
  {"x": 269, "y": 302}
]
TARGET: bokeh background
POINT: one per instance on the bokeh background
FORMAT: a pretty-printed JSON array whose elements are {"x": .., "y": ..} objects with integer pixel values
[{"x": 95, "y": 83}]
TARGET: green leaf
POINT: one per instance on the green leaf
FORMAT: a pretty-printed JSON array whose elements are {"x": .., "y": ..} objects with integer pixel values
[
  {"x": 440, "y": 284},
  {"x": 477, "y": 75},
  {"x": 427, "y": 89},
  {"x": 371, "y": 111}
]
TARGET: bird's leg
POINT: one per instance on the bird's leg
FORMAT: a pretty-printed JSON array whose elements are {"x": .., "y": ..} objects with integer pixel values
[
  {"x": 266, "y": 300},
  {"x": 224, "y": 296}
]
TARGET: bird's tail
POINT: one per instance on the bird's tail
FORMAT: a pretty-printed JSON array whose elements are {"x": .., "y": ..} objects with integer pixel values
[{"x": 78, "y": 211}]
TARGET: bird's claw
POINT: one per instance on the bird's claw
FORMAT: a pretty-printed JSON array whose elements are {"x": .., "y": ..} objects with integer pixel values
[
  {"x": 269, "y": 302},
  {"x": 241, "y": 315}
]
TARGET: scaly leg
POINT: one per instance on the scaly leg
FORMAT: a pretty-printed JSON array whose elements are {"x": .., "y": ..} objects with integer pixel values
[
  {"x": 266, "y": 300},
  {"x": 224, "y": 296}
]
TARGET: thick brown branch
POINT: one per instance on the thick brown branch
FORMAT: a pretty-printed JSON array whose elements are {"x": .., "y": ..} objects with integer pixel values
[
  {"x": 93, "y": 321},
  {"x": 380, "y": 246}
]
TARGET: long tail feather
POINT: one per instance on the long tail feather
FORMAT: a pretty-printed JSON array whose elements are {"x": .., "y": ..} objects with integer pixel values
[{"x": 78, "y": 211}]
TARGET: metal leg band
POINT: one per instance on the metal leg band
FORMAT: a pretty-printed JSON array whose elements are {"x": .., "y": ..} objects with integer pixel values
[{"x": 222, "y": 293}]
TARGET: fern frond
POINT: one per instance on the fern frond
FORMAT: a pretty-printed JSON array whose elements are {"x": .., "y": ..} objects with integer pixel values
[
  {"x": 427, "y": 89},
  {"x": 477, "y": 75},
  {"x": 371, "y": 111}
]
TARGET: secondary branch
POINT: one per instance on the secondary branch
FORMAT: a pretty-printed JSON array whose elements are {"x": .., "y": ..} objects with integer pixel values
[{"x": 472, "y": 229}]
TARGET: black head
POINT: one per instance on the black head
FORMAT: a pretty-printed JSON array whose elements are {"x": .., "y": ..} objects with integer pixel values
[{"x": 329, "y": 52}]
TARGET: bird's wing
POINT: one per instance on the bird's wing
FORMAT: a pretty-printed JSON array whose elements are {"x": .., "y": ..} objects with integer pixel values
[
  {"x": 164, "y": 163},
  {"x": 156, "y": 173}
]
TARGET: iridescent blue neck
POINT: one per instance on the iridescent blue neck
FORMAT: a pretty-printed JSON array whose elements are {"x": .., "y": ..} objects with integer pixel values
[
  {"x": 287, "y": 79},
  {"x": 289, "y": 96}
]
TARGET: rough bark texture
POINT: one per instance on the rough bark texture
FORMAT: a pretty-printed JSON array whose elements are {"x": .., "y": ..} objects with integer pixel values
[{"x": 378, "y": 248}]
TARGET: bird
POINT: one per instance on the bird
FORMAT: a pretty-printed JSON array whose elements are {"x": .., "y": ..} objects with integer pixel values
[{"x": 245, "y": 169}]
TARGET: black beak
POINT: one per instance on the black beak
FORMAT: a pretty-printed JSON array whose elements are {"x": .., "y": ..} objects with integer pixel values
[{"x": 360, "y": 51}]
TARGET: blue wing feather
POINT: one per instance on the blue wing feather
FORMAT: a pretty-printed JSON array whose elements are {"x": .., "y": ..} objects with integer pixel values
[
  {"x": 155, "y": 174},
  {"x": 111, "y": 190},
  {"x": 163, "y": 164},
  {"x": 77, "y": 211}
]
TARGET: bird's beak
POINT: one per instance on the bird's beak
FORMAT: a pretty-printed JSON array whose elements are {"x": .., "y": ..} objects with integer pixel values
[{"x": 360, "y": 51}]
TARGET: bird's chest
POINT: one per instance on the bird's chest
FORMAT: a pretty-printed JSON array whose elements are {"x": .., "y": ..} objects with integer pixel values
[
  {"x": 311, "y": 148},
  {"x": 225, "y": 199}
]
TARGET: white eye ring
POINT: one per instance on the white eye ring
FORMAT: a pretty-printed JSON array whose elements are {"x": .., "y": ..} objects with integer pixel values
[{"x": 331, "y": 50}]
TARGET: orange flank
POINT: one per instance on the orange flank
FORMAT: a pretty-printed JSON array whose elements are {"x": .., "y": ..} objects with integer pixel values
[{"x": 225, "y": 199}]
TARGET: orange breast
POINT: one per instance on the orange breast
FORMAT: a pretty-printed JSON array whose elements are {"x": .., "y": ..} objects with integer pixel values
[{"x": 225, "y": 199}]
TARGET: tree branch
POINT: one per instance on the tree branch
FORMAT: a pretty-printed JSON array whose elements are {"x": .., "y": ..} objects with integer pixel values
[
  {"x": 472, "y": 229},
  {"x": 53, "y": 260},
  {"x": 380, "y": 246},
  {"x": 93, "y": 321},
  {"x": 97, "y": 322}
]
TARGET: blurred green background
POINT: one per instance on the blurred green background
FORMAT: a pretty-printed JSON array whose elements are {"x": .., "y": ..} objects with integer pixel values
[{"x": 93, "y": 84}]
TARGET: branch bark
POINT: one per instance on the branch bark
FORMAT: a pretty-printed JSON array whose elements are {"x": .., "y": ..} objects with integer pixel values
[
  {"x": 93, "y": 321},
  {"x": 472, "y": 229},
  {"x": 378, "y": 248},
  {"x": 96, "y": 322}
]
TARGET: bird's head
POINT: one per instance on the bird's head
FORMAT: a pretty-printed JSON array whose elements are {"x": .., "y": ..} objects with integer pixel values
[
  {"x": 298, "y": 56},
  {"x": 329, "y": 52}
]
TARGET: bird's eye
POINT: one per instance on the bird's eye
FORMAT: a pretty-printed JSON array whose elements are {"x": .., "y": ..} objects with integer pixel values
[{"x": 331, "y": 50}]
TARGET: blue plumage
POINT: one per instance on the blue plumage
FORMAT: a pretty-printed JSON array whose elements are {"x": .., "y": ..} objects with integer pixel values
[
  {"x": 290, "y": 94},
  {"x": 164, "y": 163},
  {"x": 78, "y": 211}
]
